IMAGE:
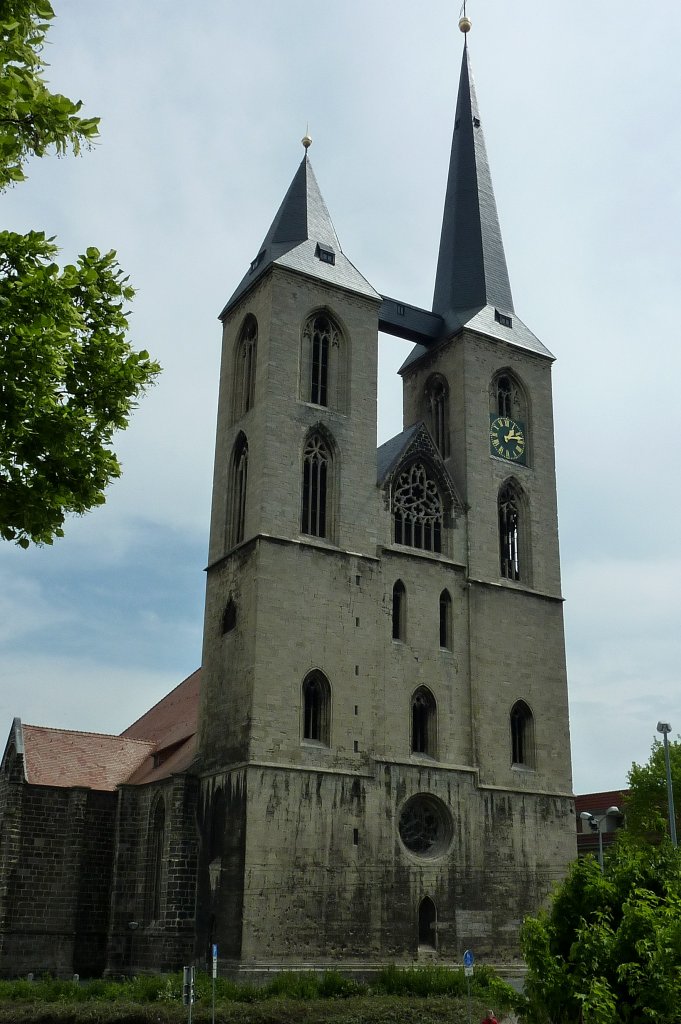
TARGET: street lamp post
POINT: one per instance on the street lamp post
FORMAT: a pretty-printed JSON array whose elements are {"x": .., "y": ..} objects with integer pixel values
[
  {"x": 665, "y": 728},
  {"x": 595, "y": 823}
]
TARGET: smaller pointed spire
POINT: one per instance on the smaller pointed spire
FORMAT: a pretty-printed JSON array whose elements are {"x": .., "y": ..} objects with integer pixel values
[
  {"x": 471, "y": 269},
  {"x": 303, "y": 238}
]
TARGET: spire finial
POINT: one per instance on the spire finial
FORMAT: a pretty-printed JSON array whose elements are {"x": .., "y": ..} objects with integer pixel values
[
  {"x": 465, "y": 23},
  {"x": 307, "y": 138}
]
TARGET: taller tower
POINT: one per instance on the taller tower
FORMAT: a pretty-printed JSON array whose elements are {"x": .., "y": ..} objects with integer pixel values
[{"x": 384, "y": 746}]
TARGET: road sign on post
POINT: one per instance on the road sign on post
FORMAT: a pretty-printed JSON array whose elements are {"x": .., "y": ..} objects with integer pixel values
[
  {"x": 214, "y": 954},
  {"x": 468, "y": 961}
]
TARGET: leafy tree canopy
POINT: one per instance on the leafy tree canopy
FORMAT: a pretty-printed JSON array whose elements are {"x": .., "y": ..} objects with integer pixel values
[
  {"x": 609, "y": 948},
  {"x": 68, "y": 375},
  {"x": 646, "y": 805}
]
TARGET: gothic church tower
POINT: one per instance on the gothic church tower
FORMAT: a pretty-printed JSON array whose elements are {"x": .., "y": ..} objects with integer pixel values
[{"x": 384, "y": 746}]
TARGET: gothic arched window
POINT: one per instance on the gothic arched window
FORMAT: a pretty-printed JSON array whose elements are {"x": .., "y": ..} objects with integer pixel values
[
  {"x": 418, "y": 509},
  {"x": 317, "y": 487},
  {"x": 423, "y": 722},
  {"x": 244, "y": 377},
  {"x": 155, "y": 847},
  {"x": 238, "y": 488},
  {"x": 436, "y": 394},
  {"x": 229, "y": 617},
  {"x": 427, "y": 923},
  {"x": 445, "y": 620},
  {"x": 522, "y": 735},
  {"x": 317, "y": 708},
  {"x": 511, "y": 555},
  {"x": 399, "y": 611},
  {"x": 322, "y": 364}
]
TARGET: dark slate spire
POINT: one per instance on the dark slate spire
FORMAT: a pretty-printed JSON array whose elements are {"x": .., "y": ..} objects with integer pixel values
[
  {"x": 302, "y": 237},
  {"x": 471, "y": 268}
]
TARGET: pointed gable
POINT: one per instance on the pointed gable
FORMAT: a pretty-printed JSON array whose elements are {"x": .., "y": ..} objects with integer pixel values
[
  {"x": 411, "y": 443},
  {"x": 302, "y": 237}
]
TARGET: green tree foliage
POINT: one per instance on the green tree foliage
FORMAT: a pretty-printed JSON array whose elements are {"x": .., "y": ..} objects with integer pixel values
[
  {"x": 646, "y": 805},
  {"x": 608, "y": 950},
  {"x": 68, "y": 375}
]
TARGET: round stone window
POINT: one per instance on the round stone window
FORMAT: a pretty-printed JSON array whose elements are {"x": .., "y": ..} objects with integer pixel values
[{"x": 425, "y": 826}]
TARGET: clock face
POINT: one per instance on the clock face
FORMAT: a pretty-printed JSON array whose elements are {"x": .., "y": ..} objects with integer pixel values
[{"x": 507, "y": 439}]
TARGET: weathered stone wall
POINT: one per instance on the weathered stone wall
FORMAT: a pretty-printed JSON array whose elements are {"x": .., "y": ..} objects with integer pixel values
[
  {"x": 166, "y": 942},
  {"x": 55, "y": 877}
]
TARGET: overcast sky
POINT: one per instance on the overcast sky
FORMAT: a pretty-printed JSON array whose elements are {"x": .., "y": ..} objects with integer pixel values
[{"x": 202, "y": 109}]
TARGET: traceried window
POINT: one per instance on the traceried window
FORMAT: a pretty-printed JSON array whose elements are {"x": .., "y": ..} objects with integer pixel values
[
  {"x": 509, "y": 512},
  {"x": 244, "y": 377},
  {"x": 445, "y": 620},
  {"x": 323, "y": 371},
  {"x": 437, "y": 409},
  {"x": 317, "y": 708},
  {"x": 522, "y": 735},
  {"x": 155, "y": 848},
  {"x": 423, "y": 722},
  {"x": 418, "y": 510},
  {"x": 504, "y": 389},
  {"x": 399, "y": 611},
  {"x": 238, "y": 488},
  {"x": 425, "y": 826},
  {"x": 317, "y": 486}
]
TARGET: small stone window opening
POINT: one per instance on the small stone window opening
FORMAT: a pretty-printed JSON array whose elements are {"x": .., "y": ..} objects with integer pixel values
[
  {"x": 316, "y": 473},
  {"x": 418, "y": 511},
  {"x": 399, "y": 611},
  {"x": 437, "y": 402},
  {"x": 155, "y": 847},
  {"x": 355, "y": 836},
  {"x": 522, "y": 735},
  {"x": 445, "y": 620},
  {"x": 244, "y": 389},
  {"x": 509, "y": 533},
  {"x": 239, "y": 481},
  {"x": 316, "y": 708},
  {"x": 423, "y": 722},
  {"x": 427, "y": 923},
  {"x": 229, "y": 617}
]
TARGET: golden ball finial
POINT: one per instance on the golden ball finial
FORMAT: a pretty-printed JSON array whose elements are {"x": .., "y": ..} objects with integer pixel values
[
  {"x": 306, "y": 140},
  {"x": 465, "y": 24}
]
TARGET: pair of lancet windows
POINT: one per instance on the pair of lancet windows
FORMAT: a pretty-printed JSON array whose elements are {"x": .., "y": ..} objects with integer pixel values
[
  {"x": 323, "y": 371},
  {"x": 245, "y": 368},
  {"x": 399, "y": 615}
]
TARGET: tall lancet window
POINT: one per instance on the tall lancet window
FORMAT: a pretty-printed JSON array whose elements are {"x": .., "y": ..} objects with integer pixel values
[
  {"x": 238, "y": 490},
  {"x": 155, "y": 847},
  {"x": 418, "y": 510},
  {"x": 244, "y": 377},
  {"x": 437, "y": 403},
  {"x": 504, "y": 389},
  {"x": 510, "y": 533},
  {"x": 317, "y": 708},
  {"x": 317, "y": 480},
  {"x": 423, "y": 722},
  {"x": 323, "y": 362}
]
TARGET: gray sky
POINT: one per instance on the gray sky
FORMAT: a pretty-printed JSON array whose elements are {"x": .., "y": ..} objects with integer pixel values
[{"x": 202, "y": 111}]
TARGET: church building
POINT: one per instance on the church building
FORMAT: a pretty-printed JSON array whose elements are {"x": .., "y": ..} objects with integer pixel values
[{"x": 373, "y": 763}]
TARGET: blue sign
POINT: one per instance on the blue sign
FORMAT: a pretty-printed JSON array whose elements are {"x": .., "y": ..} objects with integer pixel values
[
  {"x": 468, "y": 958},
  {"x": 215, "y": 951}
]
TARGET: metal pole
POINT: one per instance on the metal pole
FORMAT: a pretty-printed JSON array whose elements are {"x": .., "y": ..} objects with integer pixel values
[
  {"x": 670, "y": 791},
  {"x": 600, "y": 842}
]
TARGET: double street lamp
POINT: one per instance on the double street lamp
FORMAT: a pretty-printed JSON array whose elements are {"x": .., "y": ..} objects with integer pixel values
[
  {"x": 595, "y": 823},
  {"x": 665, "y": 728}
]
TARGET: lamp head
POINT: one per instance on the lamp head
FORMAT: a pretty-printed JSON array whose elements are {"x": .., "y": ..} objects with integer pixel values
[{"x": 664, "y": 728}]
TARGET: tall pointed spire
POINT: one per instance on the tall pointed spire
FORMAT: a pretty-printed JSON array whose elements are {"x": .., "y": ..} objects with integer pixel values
[
  {"x": 471, "y": 269},
  {"x": 303, "y": 238}
]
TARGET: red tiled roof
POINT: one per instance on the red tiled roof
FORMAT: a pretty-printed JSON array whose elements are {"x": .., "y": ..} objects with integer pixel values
[
  {"x": 598, "y": 803},
  {"x": 174, "y": 718},
  {"x": 60, "y": 757}
]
